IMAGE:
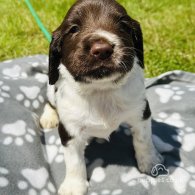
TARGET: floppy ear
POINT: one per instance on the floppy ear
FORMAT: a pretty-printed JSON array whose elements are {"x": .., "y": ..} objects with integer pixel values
[
  {"x": 54, "y": 57},
  {"x": 138, "y": 42}
]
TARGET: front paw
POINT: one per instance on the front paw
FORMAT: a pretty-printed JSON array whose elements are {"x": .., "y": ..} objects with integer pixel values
[
  {"x": 73, "y": 187},
  {"x": 147, "y": 161},
  {"x": 49, "y": 119}
]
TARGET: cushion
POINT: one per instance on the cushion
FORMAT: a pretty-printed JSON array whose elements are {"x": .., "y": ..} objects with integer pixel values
[{"x": 31, "y": 160}]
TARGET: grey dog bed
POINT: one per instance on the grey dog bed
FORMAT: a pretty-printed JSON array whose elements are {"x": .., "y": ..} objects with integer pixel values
[{"x": 31, "y": 161}]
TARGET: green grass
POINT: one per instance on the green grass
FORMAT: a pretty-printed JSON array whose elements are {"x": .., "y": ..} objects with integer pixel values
[{"x": 168, "y": 27}]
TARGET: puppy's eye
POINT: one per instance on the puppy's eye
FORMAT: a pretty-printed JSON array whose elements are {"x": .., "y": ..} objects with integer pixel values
[{"x": 74, "y": 29}]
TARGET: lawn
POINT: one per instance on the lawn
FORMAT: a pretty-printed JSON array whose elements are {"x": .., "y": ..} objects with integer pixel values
[{"x": 168, "y": 28}]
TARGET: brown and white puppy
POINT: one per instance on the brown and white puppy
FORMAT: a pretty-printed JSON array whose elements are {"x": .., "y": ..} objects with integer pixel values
[{"x": 96, "y": 82}]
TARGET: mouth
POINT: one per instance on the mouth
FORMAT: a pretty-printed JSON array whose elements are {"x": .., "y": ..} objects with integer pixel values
[
  {"x": 88, "y": 69},
  {"x": 94, "y": 71},
  {"x": 99, "y": 73}
]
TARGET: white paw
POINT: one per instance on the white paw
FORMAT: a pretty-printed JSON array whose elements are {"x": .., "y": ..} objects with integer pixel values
[
  {"x": 49, "y": 119},
  {"x": 73, "y": 187},
  {"x": 147, "y": 161}
]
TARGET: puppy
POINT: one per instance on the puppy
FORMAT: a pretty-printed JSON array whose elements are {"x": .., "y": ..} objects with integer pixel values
[{"x": 96, "y": 82}]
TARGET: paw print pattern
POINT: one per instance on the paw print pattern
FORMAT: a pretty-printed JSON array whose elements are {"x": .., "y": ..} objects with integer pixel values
[
  {"x": 181, "y": 178},
  {"x": 96, "y": 171},
  {"x": 54, "y": 150},
  {"x": 30, "y": 96},
  {"x": 191, "y": 170},
  {"x": 160, "y": 145},
  {"x": 191, "y": 88},
  {"x": 187, "y": 140},
  {"x": 14, "y": 73},
  {"x": 36, "y": 181},
  {"x": 4, "y": 182},
  {"x": 17, "y": 133},
  {"x": 185, "y": 135},
  {"x": 42, "y": 78},
  {"x": 168, "y": 93},
  {"x": 4, "y": 89},
  {"x": 174, "y": 119},
  {"x": 134, "y": 177},
  {"x": 108, "y": 192}
]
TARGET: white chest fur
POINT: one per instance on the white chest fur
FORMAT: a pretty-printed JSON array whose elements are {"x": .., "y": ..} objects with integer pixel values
[
  {"x": 93, "y": 113},
  {"x": 97, "y": 115}
]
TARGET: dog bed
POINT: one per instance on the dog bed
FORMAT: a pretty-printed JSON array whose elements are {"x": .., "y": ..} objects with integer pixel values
[{"x": 31, "y": 160}]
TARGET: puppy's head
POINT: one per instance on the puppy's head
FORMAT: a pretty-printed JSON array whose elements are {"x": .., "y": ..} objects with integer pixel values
[{"x": 97, "y": 40}]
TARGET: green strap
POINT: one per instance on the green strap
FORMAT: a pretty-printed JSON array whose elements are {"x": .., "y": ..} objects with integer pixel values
[{"x": 38, "y": 21}]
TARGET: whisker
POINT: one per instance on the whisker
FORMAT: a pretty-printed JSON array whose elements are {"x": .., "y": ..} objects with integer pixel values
[
  {"x": 133, "y": 48},
  {"x": 123, "y": 65}
]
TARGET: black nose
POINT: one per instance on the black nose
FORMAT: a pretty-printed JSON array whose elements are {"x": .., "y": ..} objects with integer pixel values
[{"x": 101, "y": 50}]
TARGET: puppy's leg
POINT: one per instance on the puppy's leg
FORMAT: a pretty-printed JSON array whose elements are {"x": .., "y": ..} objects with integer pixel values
[
  {"x": 146, "y": 154},
  {"x": 49, "y": 118},
  {"x": 75, "y": 182}
]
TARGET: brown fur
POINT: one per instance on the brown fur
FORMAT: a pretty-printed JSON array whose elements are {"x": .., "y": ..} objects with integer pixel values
[
  {"x": 64, "y": 136},
  {"x": 73, "y": 39}
]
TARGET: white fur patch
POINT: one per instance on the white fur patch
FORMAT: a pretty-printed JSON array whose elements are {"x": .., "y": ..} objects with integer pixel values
[
  {"x": 49, "y": 118},
  {"x": 75, "y": 182},
  {"x": 112, "y": 38},
  {"x": 96, "y": 109}
]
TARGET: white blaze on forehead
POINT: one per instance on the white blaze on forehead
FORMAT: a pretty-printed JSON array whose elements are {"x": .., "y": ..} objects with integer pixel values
[{"x": 111, "y": 37}]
